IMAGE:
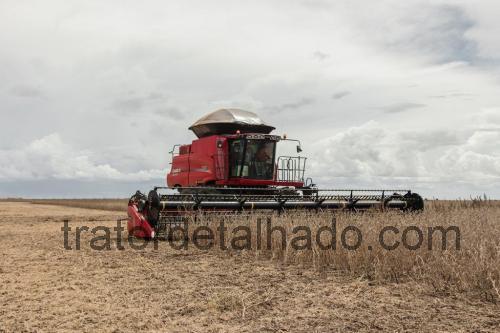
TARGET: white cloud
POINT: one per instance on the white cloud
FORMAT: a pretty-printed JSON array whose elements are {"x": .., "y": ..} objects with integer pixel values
[
  {"x": 376, "y": 155},
  {"x": 51, "y": 158}
]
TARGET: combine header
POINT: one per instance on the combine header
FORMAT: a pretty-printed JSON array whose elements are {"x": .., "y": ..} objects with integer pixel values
[{"x": 233, "y": 167}]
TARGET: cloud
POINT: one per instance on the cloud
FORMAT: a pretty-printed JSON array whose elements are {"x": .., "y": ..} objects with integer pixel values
[
  {"x": 26, "y": 91},
  {"x": 50, "y": 158},
  {"x": 453, "y": 95},
  {"x": 340, "y": 94},
  {"x": 321, "y": 55},
  {"x": 473, "y": 160},
  {"x": 172, "y": 113},
  {"x": 401, "y": 107},
  {"x": 437, "y": 32},
  {"x": 152, "y": 104},
  {"x": 485, "y": 30},
  {"x": 487, "y": 118},
  {"x": 129, "y": 105},
  {"x": 375, "y": 155},
  {"x": 291, "y": 105}
]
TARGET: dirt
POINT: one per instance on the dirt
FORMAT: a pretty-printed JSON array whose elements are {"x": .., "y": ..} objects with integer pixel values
[{"x": 47, "y": 288}]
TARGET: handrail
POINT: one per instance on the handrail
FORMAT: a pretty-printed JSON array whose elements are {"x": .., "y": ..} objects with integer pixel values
[{"x": 291, "y": 168}]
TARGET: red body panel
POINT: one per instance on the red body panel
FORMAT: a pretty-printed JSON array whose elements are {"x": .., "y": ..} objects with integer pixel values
[
  {"x": 194, "y": 166},
  {"x": 245, "y": 182},
  {"x": 206, "y": 162}
]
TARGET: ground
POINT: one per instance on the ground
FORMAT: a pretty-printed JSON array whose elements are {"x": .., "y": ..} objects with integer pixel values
[{"x": 47, "y": 288}]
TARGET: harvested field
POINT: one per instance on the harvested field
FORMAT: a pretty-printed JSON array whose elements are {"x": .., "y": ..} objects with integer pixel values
[
  {"x": 119, "y": 205},
  {"x": 47, "y": 288}
]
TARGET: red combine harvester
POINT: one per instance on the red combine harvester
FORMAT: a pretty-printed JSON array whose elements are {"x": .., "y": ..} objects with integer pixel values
[{"x": 233, "y": 167}]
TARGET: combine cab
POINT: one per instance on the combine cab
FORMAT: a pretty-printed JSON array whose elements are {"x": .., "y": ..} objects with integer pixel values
[{"x": 233, "y": 167}]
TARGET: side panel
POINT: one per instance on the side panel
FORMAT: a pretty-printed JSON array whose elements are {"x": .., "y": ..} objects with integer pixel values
[
  {"x": 201, "y": 161},
  {"x": 179, "y": 173}
]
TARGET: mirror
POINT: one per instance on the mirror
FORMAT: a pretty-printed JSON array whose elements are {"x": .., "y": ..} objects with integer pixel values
[{"x": 299, "y": 149}]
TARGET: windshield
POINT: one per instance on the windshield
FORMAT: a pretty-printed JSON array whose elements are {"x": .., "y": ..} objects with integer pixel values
[{"x": 252, "y": 159}]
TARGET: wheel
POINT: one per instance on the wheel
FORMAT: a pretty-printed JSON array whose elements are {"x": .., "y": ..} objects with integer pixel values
[
  {"x": 153, "y": 208},
  {"x": 414, "y": 202}
]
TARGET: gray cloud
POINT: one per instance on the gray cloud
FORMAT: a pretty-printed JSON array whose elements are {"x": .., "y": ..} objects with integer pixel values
[
  {"x": 340, "y": 94},
  {"x": 446, "y": 35},
  {"x": 432, "y": 139},
  {"x": 26, "y": 91},
  {"x": 316, "y": 4},
  {"x": 439, "y": 30},
  {"x": 129, "y": 105},
  {"x": 155, "y": 96},
  {"x": 401, "y": 107},
  {"x": 452, "y": 95},
  {"x": 321, "y": 55},
  {"x": 438, "y": 33},
  {"x": 153, "y": 104},
  {"x": 291, "y": 105},
  {"x": 172, "y": 113}
]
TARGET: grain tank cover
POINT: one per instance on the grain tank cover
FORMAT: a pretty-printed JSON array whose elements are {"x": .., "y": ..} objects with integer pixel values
[{"x": 228, "y": 121}]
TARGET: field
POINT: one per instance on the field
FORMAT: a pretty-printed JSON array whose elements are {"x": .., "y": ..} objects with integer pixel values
[{"x": 46, "y": 287}]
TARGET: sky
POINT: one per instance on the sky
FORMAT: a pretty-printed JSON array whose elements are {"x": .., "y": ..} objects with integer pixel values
[{"x": 382, "y": 94}]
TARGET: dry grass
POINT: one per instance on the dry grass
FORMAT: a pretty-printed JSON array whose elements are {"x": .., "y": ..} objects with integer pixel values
[
  {"x": 47, "y": 288},
  {"x": 118, "y": 205},
  {"x": 473, "y": 267},
  {"x": 469, "y": 263}
]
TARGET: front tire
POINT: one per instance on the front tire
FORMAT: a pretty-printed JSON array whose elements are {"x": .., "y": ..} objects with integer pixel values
[{"x": 153, "y": 208}]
